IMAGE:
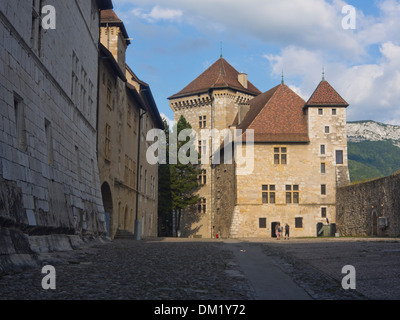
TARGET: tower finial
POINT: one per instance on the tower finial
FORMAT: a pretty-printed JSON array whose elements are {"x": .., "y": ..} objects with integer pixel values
[
  {"x": 283, "y": 77},
  {"x": 221, "y": 51},
  {"x": 323, "y": 73}
]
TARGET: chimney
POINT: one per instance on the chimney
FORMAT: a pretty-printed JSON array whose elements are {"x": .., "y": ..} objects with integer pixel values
[{"x": 242, "y": 77}]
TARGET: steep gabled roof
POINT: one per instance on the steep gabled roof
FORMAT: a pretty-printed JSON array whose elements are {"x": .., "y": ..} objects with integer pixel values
[
  {"x": 277, "y": 116},
  {"x": 220, "y": 75},
  {"x": 326, "y": 95}
]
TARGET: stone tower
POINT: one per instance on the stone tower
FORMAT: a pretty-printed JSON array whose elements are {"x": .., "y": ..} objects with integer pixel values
[
  {"x": 212, "y": 101},
  {"x": 326, "y": 112}
]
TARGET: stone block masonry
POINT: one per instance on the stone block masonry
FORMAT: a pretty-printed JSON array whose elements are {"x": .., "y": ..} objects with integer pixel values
[
  {"x": 369, "y": 209},
  {"x": 49, "y": 181}
]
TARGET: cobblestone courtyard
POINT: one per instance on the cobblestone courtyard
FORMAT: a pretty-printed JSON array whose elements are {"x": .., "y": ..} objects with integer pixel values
[{"x": 185, "y": 269}]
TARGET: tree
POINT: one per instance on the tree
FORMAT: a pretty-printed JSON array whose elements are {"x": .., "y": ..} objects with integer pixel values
[{"x": 177, "y": 182}]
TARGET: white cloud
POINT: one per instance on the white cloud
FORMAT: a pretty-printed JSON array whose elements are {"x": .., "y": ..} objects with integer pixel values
[
  {"x": 157, "y": 13},
  {"x": 371, "y": 89}
]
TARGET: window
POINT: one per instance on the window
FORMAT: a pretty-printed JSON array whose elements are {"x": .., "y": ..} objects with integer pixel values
[
  {"x": 203, "y": 178},
  {"x": 339, "y": 156},
  {"x": 135, "y": 121},
  {"x": 327, "y": 129},
  {"x": 78, "y": 163},
  {"x": 280, "y": 156},
  {"x": 145, "y": 181},
  {"x": 298, "y": 223},
  {"x": 75, "y": 78},
  {"x": 109, "y": 94},
  {"x": 334, "y": 112},
  {"x": 36, "y": 26},
  {"x": 107, "y": 144},
  {"x": 323, "y": 189},
  {"x": 320, "y": 112},
  {"x": 84, "y": 98},
  {"x": 322, "y": 149},
  {"x": 20, "y": 123},
  {"x": 323, "y": 212},
  {"x": 202, "y": 122},
  {"x": 323, "y": 167},
  {"x": 202, "y": 206},
  {"x": 292, "y": 194},
  {"x": 262, "y": 222},
  {"x": 202, "y": 147},
  {"x": 49, "y": 141},
  {"x": 268, "y": 194}
]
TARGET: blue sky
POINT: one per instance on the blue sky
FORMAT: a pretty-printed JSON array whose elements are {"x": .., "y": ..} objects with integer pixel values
[{"x": 174, "y": 41}]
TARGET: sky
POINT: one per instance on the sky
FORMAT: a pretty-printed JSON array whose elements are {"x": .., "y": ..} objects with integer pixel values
[{"x": 174, "y": 41}]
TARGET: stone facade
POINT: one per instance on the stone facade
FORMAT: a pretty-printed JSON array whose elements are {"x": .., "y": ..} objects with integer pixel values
[
  {"x": 369, "y": 209},
  {"x": 48, "y": 96},
  {"x": 218, "y": 111},
  {"x": 126, "y": 113},
  {"x": 316, "y": 160}
]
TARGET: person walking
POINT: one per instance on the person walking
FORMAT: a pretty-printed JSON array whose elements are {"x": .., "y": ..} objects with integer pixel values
[
  {"x": 287, "y": 228},
  {"x": 277, "y": 232}
]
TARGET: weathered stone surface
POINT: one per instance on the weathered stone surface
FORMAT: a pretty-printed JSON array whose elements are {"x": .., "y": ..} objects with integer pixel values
[{"x": 360, "y": 208}]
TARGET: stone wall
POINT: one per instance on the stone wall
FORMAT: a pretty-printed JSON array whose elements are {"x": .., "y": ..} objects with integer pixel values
[
  {"x": 49, "y": 181},
  {"x": 369, "y": 209},
  {"x": 224, "y": 199}
]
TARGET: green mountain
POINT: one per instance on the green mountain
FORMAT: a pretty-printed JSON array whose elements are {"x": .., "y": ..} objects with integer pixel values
[{"x": 373, "y": 150}]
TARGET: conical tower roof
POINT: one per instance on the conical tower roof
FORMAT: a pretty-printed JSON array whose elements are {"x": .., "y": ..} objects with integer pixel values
[
  {"x": 219, "y": 75},
  {"x": 326, "y": 95}
]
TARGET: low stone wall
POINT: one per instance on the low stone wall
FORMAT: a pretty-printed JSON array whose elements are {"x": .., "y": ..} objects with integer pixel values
[{"x": 369, "y": 209}]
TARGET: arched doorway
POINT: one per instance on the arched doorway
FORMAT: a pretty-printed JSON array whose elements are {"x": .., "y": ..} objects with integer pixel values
[
  {"x": 108, "y": 206},
  {"x": 374, "y": 223},
  {"x": 126, "y": 218}
]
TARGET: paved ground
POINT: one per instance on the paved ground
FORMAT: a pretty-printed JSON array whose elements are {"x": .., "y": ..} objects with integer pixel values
[{"x": 186, "y": 269}]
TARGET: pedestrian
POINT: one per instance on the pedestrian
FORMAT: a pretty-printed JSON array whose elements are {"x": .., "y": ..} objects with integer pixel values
[
  {"x": 277, "y": 232},
  {"x": 287, "y": 231}
]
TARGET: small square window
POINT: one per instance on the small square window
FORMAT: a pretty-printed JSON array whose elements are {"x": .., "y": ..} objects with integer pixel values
[
  {"x": 334, "y": 112},
  {"x": 322, "y": 149},
  {"x": 298, "y": 222},
  {"x": 265, "y": 188},
  {"x": 272, "y": 187},
  {"x": 327, "y": 129},
  {"x": 262, "y": 222},
  {"x": 323, "y": 167},
  {"x": 320, "y": 112},
  {"x": 288, "y": 188},
  {"x": 323, "y": 212}
]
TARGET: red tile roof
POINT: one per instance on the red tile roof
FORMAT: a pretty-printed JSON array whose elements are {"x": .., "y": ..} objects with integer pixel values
[
  {"x": 109, "y": 16},
  {"x": 325, "y": 95},
  {"x": 220, "y": 75},
  {"x": 277, "y": 116}
]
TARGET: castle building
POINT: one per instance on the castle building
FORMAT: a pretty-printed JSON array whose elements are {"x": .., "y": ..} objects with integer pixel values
[
  {"x": 300, "y": 155},
  {"x": 49, "y": 180},
  {"x": 127, "y": 111}
]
